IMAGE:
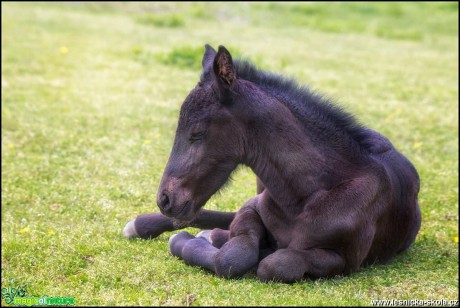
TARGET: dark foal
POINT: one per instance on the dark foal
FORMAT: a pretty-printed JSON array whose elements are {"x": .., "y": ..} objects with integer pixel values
[{"x": 332, "y": 194}]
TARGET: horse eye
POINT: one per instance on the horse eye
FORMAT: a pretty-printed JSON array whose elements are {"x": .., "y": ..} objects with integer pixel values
[{"x": 198, "y": 136}]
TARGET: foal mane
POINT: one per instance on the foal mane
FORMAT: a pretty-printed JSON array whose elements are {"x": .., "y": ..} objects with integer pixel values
[{"x": 319, "y": 115}]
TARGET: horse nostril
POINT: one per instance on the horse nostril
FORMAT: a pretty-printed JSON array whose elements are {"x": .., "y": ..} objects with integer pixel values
[{"x": 164, "y": 201}]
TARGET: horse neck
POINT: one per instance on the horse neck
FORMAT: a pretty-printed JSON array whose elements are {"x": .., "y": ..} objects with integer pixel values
[{"x": 288, "y": 161}]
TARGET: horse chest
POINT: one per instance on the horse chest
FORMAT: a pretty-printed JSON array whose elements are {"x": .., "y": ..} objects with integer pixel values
[{"x": 279, "y": 226}]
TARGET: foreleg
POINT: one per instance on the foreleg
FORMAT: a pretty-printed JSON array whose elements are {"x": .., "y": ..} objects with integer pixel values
[
  {"x": 236, "y": 256},
  {"x": 149, "y": 226}
]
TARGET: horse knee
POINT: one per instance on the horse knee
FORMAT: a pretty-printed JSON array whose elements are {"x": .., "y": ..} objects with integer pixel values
[
  {"x": 281, "y": 266},
  {"x": 236, "y": 258},
  {"x": 219, "y": 237}
]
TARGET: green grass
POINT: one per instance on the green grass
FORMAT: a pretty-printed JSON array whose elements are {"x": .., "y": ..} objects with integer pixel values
[
  {"x": 90, "y": 101},
  {"x": 169, "y": 20}
]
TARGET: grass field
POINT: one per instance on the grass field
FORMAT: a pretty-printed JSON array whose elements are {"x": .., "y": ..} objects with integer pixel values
[{"x": 90, "y": 101}]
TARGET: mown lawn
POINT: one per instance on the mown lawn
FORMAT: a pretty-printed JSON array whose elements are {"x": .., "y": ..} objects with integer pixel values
[{"x": 90, "y": 100}]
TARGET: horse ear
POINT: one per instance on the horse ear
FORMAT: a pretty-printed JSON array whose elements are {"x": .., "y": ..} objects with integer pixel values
[
  {"x": 223, "y": 67},
  {"x": 208, "y": 57}
]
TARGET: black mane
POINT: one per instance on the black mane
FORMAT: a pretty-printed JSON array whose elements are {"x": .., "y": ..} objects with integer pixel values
[{"x": 313, "y": 109}]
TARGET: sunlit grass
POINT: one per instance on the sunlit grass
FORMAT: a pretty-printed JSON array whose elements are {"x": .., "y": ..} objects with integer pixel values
[{"x": 90, "y": 99}]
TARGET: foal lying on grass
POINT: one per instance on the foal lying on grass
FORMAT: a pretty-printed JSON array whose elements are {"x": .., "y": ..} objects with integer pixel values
[{"x": 332, "y": 195}]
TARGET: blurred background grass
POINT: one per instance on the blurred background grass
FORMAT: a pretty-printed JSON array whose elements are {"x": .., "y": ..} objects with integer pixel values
[{"x": 90, "y": 98}]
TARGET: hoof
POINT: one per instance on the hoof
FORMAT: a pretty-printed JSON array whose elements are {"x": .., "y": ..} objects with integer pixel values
[
  {"x": 171, "y": 239},
  {"x": 177, "y": 242},
  {"x": 129, "y": 231},
  {"x": 206, "y": 234}
]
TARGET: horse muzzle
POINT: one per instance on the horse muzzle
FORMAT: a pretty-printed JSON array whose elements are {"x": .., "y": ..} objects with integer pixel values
[{"x": 175, "y": 203}]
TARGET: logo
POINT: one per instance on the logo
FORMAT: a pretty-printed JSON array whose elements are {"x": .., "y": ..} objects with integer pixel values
[{"x": 20, "y": 297}]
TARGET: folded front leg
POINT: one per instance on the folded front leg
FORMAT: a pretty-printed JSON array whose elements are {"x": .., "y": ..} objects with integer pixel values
[
  {"x": 236, "y": 257},
  {"x": 290, "y": 265},
  {"x": 149, "y": 226}
]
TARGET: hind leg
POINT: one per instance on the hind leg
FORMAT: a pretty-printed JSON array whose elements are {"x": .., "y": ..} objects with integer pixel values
[
  {"x": 237, "y": 256},
  {"x": 290, "y": 265}
]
